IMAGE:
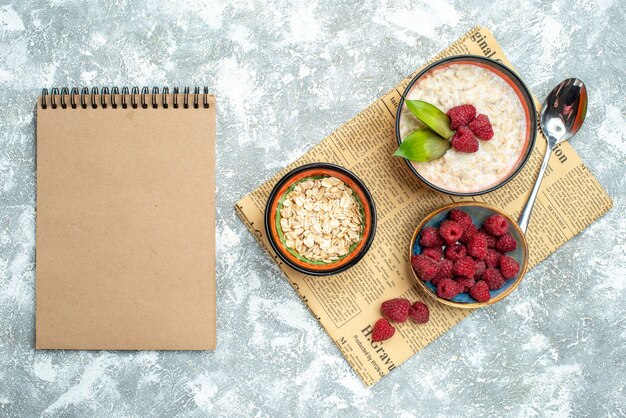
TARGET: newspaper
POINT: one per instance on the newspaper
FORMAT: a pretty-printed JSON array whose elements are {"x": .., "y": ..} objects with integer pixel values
[{"x": 347, "y": 305}]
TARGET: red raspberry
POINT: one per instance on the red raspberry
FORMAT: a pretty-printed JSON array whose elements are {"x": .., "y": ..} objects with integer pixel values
[
  {"x": 481, "y": 127},
  {"x": 450, "y": 231},
  {"x": 506, "y": 243},
  {"x": 508, "y": 266},
  {"x": 491, "y": 240},
  {"x": 492, "y": 258},
  {"x": 477, "y": 246},
  {"x": 466, "y": 266},
  {"x": 382, "y": 331},
  {"x": 425, "y": 267},
  {"x": 468, "y": 232},
  {"x": 448, "y": 288},
  {"x": 446, "y": 271},
  {"x": 465, "y": 282},
  {"x": 463, "y": 141},
  {"x": 496, "y": 225},
  {"x": 480, "y": 292},
  {"x": 461, "y": 115},
  {"x": 493, "y": 278},
  {"x": 396, "y": 309},
  {"x": 480, "y": 268},
  {"x": 430, "y": 237},
  {"x": 460, "y": 216},
  {"x": 419, "y": 312},
  {"x": 433, "y": 252},
  {"x": 455, "y": 252}
]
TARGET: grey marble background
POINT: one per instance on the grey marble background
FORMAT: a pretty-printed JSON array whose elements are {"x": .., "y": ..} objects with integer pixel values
[{"x": 286, "y": 74}]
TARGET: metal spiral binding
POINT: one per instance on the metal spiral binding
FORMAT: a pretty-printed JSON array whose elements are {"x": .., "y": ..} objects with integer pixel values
[{"x": 55, "y": 97}]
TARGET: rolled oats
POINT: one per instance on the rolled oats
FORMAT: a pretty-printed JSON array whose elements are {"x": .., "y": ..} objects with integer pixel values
[{"x": 321, "y": 219}]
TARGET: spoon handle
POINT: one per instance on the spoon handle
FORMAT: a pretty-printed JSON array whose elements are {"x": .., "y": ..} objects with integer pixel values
[{"x": 524, "y": 218}]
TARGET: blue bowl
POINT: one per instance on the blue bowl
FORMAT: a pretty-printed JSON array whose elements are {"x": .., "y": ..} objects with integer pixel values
[{"x": 478, "y": 211}]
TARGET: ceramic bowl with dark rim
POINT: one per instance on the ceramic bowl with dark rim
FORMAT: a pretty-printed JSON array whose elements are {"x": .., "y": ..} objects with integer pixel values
[
  {"x": 478, "y": 211},
  {"x": 487, "y": 82},
  {"x": 273, "y": 216}
]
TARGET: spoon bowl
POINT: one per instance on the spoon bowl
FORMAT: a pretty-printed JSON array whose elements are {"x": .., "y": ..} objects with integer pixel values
[{"x": 564, "y": 110}]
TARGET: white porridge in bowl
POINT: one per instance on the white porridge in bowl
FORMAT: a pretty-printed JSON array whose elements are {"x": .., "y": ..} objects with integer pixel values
[{"x": 457, "y": 84}]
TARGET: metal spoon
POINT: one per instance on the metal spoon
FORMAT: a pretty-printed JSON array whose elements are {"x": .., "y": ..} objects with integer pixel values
[{"x": 562, "y": 115}]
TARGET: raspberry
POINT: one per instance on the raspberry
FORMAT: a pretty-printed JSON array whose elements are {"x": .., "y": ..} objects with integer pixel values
[
  {"x": 433, "y": 252},
  {"x": 466, "y": 266},
  {"x": 480, "y": 268},
  {"x": 491, "y": 240},
  {"x": 419, "y": 312},
  {"x": 463, "y": 141},
  {"x": 481, "y": 127},
  {"x": 508, "y": 266},
  {"x": 506, "y": 243},
  {"x": 425, "y": 267},
  {"x": 450, "y": 231},
  {"x": 382, "y": 331},
  {"x": 455, "y": 252},
  {"x": 396, "y": 309},
  {"x": 460, "y": 216},
  {"x": 446, "y": 271},
  {"x": 496, "y": 225},
  {"x": 430, "y": 237},
  {"x": 468, "y": 232},
  {"x": 492, "y": 258},
  {"x": 477, "y": 246},
  {"x": 480, "y": 292},
  {"x": 448, "y": 288},
  {"x": 493, "y": 278},
  {"x": 461, "y": 115},
  {"x": 465, "y": 282}
]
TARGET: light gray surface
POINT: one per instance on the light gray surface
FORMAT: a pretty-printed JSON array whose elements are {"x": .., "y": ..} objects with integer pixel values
[{"x": 286, "y": 74}]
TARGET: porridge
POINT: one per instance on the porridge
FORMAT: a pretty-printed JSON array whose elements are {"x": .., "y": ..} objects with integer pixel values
[
  {"x": 457, "y": 84},
  {"x": 321, "y": 219}
]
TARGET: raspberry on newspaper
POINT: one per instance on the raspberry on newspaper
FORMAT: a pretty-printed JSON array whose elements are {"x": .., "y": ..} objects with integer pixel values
[
  {"x": 419, "y": 312},
  {"x": 382, "y": 331},
  {"x": 396, "y": 309}
]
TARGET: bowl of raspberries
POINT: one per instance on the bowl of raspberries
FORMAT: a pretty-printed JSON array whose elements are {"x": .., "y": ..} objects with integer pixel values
[{"x": 468, "y": 254}]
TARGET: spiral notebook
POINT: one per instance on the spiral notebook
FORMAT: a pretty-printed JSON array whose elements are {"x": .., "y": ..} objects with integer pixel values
[{"x": 125, "y": 251}]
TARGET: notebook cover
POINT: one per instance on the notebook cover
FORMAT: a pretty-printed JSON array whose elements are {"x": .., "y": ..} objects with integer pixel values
[{"x": 125, "y": 251}]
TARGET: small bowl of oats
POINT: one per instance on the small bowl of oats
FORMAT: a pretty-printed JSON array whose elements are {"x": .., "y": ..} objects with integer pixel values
[{"x": 320, "y": 219}]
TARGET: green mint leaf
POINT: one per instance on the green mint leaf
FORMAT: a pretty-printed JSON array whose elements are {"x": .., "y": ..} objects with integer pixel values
[
  {"x": 432, "y": 117},
  {"x": 423, "y": 145}
]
